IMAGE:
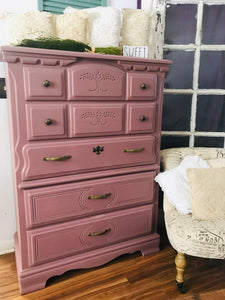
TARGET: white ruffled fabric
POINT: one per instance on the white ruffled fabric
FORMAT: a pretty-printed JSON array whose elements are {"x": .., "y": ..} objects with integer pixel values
[
  {"x": 104, "y": 25},
  {"x": 136, "y": 27},
  {"x": 31, "y": 25},
  {"x": 175, "y": 184},
  {"x": 72, "y": 26}
]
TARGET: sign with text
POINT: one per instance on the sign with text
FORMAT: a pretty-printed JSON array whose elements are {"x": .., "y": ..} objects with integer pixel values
[{"x": 135, "y": 51}]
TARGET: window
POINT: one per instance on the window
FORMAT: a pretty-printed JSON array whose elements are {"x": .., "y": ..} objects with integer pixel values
[{"x": 194, "y": 95}]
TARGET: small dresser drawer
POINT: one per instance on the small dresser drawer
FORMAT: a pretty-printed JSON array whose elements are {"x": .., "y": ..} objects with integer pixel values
[
  {"x": 141, "y": 118},
  {"x": 98, "y": 119},
  {"x": 43, "y": 160},
  {"x": 64, "y": 202},
  {"x": 46, "y": 121},
  {"x": 58, "y": 241},
  {"x": 141, "y": 86},
  {"x": 96, "y": 82},
  {"x": 44, "y": 83}
]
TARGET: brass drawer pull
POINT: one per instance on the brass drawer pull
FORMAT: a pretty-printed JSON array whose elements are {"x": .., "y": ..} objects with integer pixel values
[
  {"x": 143, "y": 86},
  {"x": 48, "y": 121},
  {"x": 137, "y": 150},
  {"x": 99, "y": 233},
  {"x": 46, "y": 83},
  {"x": 57, "y": 158},
  {"x": 100, "y": 196}
]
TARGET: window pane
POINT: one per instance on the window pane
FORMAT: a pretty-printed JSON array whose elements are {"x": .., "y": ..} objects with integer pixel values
[
  {"x": 180, "y": 24},
  {"x": 212, "y": 70},
  {"x": 174, "y": 141},
  {"x": 213, "y": 24},
  {"x": 202, "y": 141},
  {"x": 210, "y": 113},
  {"x": 180, "y": 75},
  {"x": 176, "y": 112}
]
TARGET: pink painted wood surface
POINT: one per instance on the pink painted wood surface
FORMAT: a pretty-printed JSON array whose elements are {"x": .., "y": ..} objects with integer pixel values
[
  {"x": 35, "y": 278},
  {"x": 82, "y": 158},
  {"x": 94, "y": 81},
  {"x": 64, "y": 202},
  {"x": 34, "y": 79},
  {"x": 53, "y": 208},
  {"x": 141, "y": 118},
  {"x": 141, "y": 86},
  {"x": 96, "y": 119},
  {"x": 74, "y": 237},
  {"x": 46, "y": 121}
]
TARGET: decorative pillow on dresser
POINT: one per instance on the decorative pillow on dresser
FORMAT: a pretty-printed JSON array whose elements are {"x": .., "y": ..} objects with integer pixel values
[
  {"x": 72, "y": 26},
  {"x": 31, "y": 25},
  {"x": 104, "y": 25},
  {"x": 136, "y": 27}
]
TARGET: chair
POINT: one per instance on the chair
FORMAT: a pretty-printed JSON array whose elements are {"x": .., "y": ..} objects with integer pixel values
[{"x": 187, "y": 235}]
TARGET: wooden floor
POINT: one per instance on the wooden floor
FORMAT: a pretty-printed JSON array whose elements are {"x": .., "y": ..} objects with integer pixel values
[{"x": 129, "y": 277}]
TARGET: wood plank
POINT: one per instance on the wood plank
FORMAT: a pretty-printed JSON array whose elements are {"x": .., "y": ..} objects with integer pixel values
[{"x": 130, "y": 276}]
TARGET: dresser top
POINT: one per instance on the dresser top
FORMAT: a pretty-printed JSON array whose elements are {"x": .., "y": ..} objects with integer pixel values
[{"x": 15, "y": 53}]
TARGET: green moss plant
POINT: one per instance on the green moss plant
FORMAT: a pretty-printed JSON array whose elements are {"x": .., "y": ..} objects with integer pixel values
[
  {"x": 109, "y": 50},
  {"x": 68, "y": 45},
  {"x": 55, "y": 43}
]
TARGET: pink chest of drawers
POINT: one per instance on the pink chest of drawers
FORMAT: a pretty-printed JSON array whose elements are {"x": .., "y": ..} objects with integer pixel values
[{"x": 85, "y": 145}]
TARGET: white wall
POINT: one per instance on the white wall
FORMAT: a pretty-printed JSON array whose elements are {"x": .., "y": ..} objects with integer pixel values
[
  {"x": 18, "y": 6},
  {"x": 7, "y": 209},
  {"x": 122, "y": 3}
]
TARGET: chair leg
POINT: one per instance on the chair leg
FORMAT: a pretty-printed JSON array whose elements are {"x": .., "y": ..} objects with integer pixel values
[{"x": 180, "y": 262}]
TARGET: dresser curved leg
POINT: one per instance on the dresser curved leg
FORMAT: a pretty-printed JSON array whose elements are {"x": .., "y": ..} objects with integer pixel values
[{"x": 180, "y": 262}]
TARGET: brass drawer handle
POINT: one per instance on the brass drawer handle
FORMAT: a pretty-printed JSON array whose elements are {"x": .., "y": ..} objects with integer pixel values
[
  {"x": 143, "y": 86},
  {"x": 137, "y": 150},
  {"x": 99, "y": 233},
  {"x": 100, "y": 196},
  {"x": 46, "y": 83},
  {"x": 57, "y": 158},
  {"x": 48, "y": 121}
]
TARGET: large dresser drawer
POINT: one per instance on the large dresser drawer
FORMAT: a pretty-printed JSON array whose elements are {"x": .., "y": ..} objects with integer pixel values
[
  {"x": 86, "y": 155},
  {"x": 64, "y": 202},
  {"x": 70, "y": 238},
  {"x": 44, "y": 83}
]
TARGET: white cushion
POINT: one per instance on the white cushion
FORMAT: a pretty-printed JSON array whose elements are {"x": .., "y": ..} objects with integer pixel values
[
  {"x": 104, "y": 25},
  {"x": 175, "y": 185},
  {"x": 31, "y": 25},
  {"x": 207, "y": 193}
]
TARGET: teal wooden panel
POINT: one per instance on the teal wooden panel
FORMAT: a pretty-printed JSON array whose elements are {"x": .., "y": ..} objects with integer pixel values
[{"x": 57, "y": 6}]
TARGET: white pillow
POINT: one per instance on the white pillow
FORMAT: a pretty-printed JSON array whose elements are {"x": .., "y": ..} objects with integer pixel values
[
  {"x": 31, "y": 25},
  {"x": 175, "y": 185},
  {"x": 104, "y": 25}
]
